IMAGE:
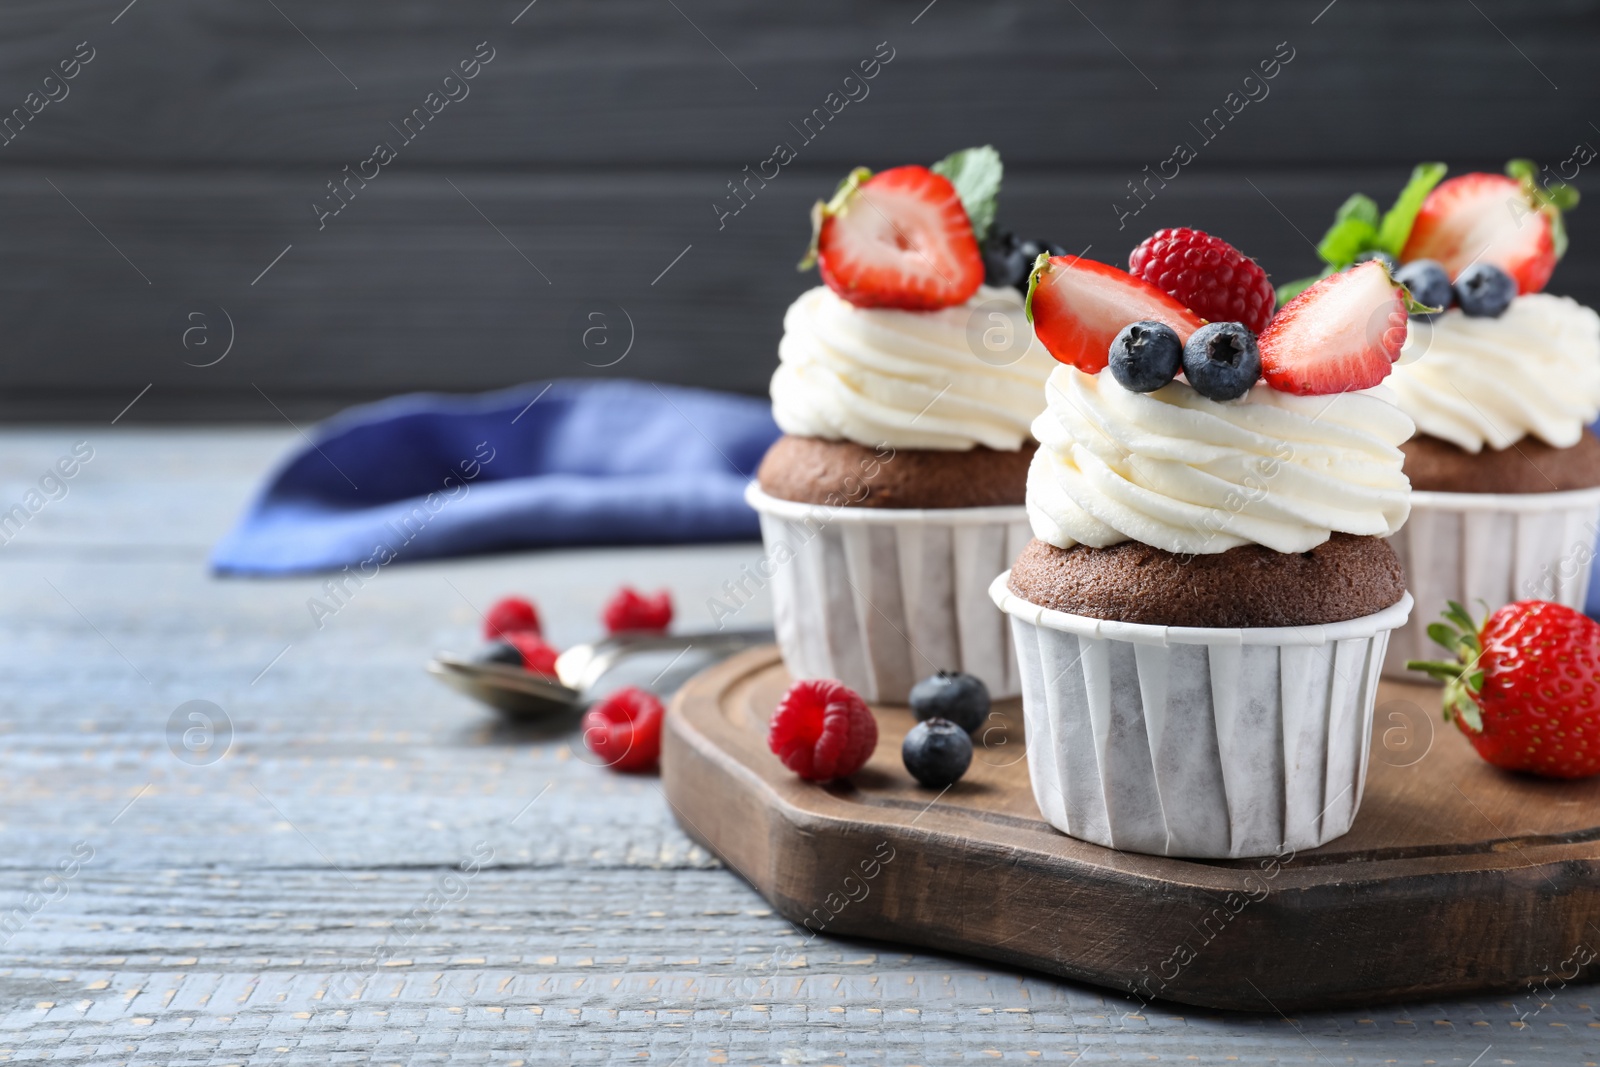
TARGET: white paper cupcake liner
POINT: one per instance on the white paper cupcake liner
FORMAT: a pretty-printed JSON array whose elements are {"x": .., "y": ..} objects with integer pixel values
[
  {"x": 1197, "y": 742},
  {"x": 880, "y": 598},
  {"x": 1490, "y": 547}
]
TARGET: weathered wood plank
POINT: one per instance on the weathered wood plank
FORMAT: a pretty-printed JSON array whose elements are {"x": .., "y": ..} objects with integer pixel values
[
  {"x": 602, "y": 967},
  {"x": 634, "y": 82},
  {"x": 205, "y": 931},
  {"x": 411, "y": 288}
]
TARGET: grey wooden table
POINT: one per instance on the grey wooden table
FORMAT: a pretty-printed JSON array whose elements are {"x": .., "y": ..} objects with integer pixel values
[{"x": 155, "y": 911}]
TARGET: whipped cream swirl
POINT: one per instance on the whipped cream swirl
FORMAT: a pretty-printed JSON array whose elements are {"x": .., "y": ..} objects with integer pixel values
[
  {"x": 910, "y": 379},
  {"x": 1189, "y": 475},
  {"x": 1476, "y": 382}
]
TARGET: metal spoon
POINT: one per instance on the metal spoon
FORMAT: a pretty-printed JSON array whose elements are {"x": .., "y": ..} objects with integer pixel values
[{"x": 583, "y": 671}]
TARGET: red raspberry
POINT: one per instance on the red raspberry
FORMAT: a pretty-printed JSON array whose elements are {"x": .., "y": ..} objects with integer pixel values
[
  {"x": 628, "y": 610},
  {"x": 822, "y": 731},
  {"x": 1207, "y": 275},
  {"x": 624, "y": 730},
  {"x": 510, "y": 615},
  {"x": 536, "y": 654}
]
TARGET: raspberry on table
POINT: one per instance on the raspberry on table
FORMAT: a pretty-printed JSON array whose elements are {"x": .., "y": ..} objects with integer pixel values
[
  {"x": 1207, "y": 275},
  {"x": 509, "y": 615},
  {"x": 629, "y": 610},
  {"x": 624, "y": 730},
  {"x": 822, "y": 730}
]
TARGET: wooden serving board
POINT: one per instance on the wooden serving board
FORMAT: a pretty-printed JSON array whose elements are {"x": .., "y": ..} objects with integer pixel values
[{"x": 1456, "y": 877}]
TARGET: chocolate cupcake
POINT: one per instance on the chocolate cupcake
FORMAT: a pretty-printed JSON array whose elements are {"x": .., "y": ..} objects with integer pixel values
[
  {"x": 905, "y": 389},
  {"x": 1500, "y": 378},
  {"x": 1201, "y": 616},
  {"x": 1507, "y": 477}
]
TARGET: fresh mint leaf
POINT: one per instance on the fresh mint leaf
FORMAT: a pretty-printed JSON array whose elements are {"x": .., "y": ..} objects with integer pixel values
[
  {"x": 1347, "y": 238},
  {"x": 1358, "y": 206},
  {"x": 1398, "y": 220},
  {"x": 976, "y": 173}
]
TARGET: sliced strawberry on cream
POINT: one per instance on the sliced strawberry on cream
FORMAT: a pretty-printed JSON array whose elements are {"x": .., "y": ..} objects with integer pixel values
[
  {"x": 1078, "y": 306},
  {"x": 1488, "y": 218},
  {"x": 897, "y": 239},
  {"x": 1342, "y": 334}
]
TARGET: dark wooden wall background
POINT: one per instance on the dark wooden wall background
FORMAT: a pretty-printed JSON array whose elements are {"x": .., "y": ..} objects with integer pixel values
[{"x": 602, "y": 132}]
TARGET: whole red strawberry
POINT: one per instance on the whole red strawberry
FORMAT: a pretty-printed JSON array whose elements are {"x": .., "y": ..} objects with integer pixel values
[
  {"x": 1207, "y": 275},
  {"x": 510, "y": 615},
  {"x": 624, "y": 730},
  {"x": 822, "y": 731},
  {"x": 630, "y": 610},
  {"x": 1525, "y": 687}
]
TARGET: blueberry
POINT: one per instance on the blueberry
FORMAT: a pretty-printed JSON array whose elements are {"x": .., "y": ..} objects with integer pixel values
[
  {"x": 960, "y": 698},
  {"x": 1382, "y": 257},
  {"x": 1145, "y": 356},
  {"x": 1221, "y": 360},
  {"x": 937, "y": 752},
  {"x": 501, "y": 652},
  {"x": 1004, "y": 263},
  {"x": 1429, "y": 284},
  {"x": 1484, "y": 291}
]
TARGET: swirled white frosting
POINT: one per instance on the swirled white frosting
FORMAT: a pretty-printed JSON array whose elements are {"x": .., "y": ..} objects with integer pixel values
[
  {"x": 1475, "y": 382},
  {"x": 1189, "y": 475},
  {"x": 910, "y": 379}
]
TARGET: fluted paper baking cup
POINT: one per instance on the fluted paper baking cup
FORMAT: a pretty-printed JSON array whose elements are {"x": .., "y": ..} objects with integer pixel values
[
  {"x": 1490, "y": 549},
  {"x": 880, "y": 598},
  {"x": 1197, "y": 742}
]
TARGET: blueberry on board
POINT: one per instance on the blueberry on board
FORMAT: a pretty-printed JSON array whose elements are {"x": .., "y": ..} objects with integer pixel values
[
  {"x": 1004, "y": 263},
  {"x": 1484, "y": 291},
  {"x": 501, "y": 652},
  {"x": 960, "y": 698},
  {"x": 1382, "y": 257},
  {"x": 937, "y": 752},
  {"x": 1221, "y": 360},
  {"x": 1145, "y": 356},
  {"x": 1429, "y": 283}
]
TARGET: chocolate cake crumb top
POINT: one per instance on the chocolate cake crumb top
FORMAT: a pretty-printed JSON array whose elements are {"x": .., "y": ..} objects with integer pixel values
[
  {"x": 1528, "y": 466},
  {"x": 1345, "y": 577},
  {"x": 811, "y": 470}
]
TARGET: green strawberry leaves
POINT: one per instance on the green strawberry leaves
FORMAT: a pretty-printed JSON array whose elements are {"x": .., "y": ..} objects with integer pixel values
[
  {"x": 1358, "y": 228},
  {"x": 1462, "y": 677},
  {"x": 976, "y": 174}
]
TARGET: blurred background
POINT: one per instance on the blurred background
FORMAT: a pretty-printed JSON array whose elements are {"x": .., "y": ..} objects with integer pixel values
[{"x": 181, "y": 222}]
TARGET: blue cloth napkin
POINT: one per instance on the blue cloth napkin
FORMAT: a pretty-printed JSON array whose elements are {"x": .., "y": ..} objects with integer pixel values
[{"x": 561, "y": 463}]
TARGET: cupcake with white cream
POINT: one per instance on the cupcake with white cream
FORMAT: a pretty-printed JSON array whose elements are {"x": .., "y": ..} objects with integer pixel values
[
  {"x": 1203, "y": 610},
  {"x": 1502, "y": 380},
  {"x": 905, "y": 388}
]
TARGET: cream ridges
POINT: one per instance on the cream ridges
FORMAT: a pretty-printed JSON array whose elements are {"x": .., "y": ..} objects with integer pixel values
[
  {"x": 1481, "y": 381},
  {"x": 1182, "y": 473},
  {"x": 910, "y": 379}
]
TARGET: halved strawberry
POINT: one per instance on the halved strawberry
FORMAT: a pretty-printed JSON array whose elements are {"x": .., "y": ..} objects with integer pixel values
[
  {"x": 1342, "y": 334},
  {"x": 899, "y": 239},
  {"x": 1078, "y": 306},
  {"x": 1488, "y": 218}
]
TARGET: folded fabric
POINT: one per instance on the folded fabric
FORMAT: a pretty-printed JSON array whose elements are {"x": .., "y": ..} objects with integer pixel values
[{"x": 562, "y": 463}]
